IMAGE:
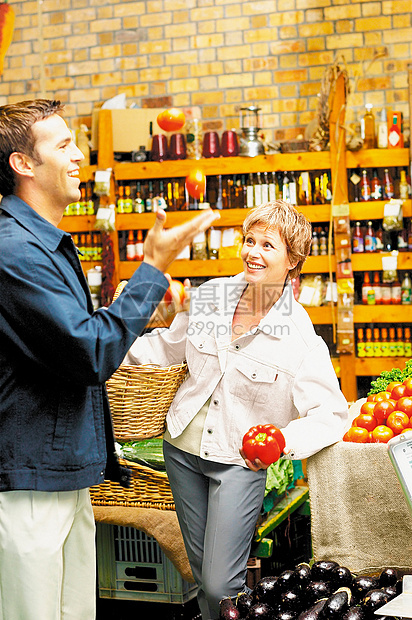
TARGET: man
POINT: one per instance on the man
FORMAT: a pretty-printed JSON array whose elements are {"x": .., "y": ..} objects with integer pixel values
[{"x": 56, "y": 438}]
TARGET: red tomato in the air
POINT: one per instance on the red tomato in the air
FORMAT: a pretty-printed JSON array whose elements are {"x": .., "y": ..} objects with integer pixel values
[
  {"x": 357, "y": 434},
  {"x": 196, "y": 184},
  {"x": 398, "y": 391},
  {"x": 171, "y": 119},
  {"x": 382, "y": 410},
  {"x": 382, "y": 434},
  {"x": 397, "y": 421},
  {"x": 366, "y": 420}
]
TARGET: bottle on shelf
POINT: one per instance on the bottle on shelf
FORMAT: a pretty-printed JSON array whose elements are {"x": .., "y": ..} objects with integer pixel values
[
  {"x": 376, "y": 186},
  {"x": 130, "y": 246},
  {"x": 396, "y": 292},
  {"x": 402, "y": 240},
  {"x": 120, "y": 199},
  {"x": 149, "y": 199},
  {"x": 285, "y": 188},
  {"x": 382, "y": 131},
  {"x": 400, "y": 346},
  {"x": 127, "y": 202},
  {"x": 406, "y": 290},
  {"x": 273, "y": 187},
  {"x": 265, "y": 188},
  {"x": 407, "y": 343},
  {"x": 379, "y": 240},
  {"x": 393, "y": 349},
  {"x": 325, "y": 188},
  {"x": 368, "y": 127},
  {"x": 368, "y": 343},
  {"x": 323, "y": 243},
  {"x": 366, "y": 288},
  {"x": 314, "y": 248},
  {"x": 358, "y": 245},
  {"x": 377, "y": 345},
  {"x": 317, "y": 194},
  {"x": 403, "y": 186},
  {"x": 250, "y": 192},
  {"x": 139, "y": 255},
  {"x": 360, "y": 345},
  {"x": 365, "y": 187},
  {"x": 258, "y": 189},
  {"x": 388, "y": 191},
  {"x": 138, "y": 206},
  {"x": 377, "y": 287},
  {"x": 293, "y": 189},
  {"x": 304, "y": 189},
  {"x": 199, "y": 247},
  {"x": 384, "y": 342},
  {"x": 395, "y": 135},
  {"x": 386, "y": 292},
  {"x": 370, "y": 238}
]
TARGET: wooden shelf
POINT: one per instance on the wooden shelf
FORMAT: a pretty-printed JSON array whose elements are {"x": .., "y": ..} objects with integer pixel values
[
  {"x": 126, "y": 171},
  {"x": 228, "y": 217},
  {"x": 377, "y": 158},
  {"x": 78, "y": 223},
  {"x": 373, "y": 261},
  {"x": 222, "y": 267},
  {"x": 373, "y": 210},
  {"x": 382, "y": 314},
  {"x": 373, "y": 366}
]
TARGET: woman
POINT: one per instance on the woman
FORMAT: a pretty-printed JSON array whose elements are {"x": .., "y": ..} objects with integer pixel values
[{"x": 253, "y": 358}]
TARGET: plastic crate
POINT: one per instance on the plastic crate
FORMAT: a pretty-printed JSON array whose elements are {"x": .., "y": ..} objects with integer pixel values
[{"x": 132, "y": 566}]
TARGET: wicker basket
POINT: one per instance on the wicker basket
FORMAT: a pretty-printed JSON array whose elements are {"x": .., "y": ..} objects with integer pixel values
[
  {"x": 140, "y": 397},
  {"x": 149, "y": 489}
]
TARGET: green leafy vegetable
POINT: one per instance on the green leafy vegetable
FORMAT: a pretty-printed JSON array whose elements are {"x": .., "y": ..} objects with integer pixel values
[{"x": 396, "y": 374}]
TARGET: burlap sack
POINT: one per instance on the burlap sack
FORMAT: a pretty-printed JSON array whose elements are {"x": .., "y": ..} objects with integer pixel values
[{"x": 359, "y": 514}]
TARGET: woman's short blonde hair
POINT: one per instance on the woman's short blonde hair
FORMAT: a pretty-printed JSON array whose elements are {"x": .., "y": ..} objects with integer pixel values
[{"x": 293, "y": 227}]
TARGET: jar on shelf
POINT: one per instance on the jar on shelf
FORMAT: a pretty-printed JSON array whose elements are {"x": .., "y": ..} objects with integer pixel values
[{"x": 194, "y": 138}]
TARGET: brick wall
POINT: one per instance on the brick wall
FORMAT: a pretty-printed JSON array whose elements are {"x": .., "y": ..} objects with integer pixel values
[{"x": 217, "y": 54}]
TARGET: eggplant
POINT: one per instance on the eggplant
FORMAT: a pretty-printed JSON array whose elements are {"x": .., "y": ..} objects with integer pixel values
[
  {"x": 337, "y": 604},
  {"x": 361, "y": 585},
  {"x": 244, "y": 603},
  {"x": 286, "y": 580},
  {"x": 388, "y": 577},
  {"x": 355, "y": 613},
  {"x": 228, "y": 610},
  {"x": 261, "y": 611},
  {"x": 266, "y": 591},
  {"x": 302, "y": 574},
  {"x": 399, "y": 586},
  {"x": 286, "y": 614},
  {"x": 316, "y": 590},
  {"x": 314, "y": 612},
  {"x": 291, "y": 600},
  {"x": 391, "y": 591},
  {"x": 373, "y": 600},
  {"x": 322, "y": 570},
  {"x": 341, "y": 577}
]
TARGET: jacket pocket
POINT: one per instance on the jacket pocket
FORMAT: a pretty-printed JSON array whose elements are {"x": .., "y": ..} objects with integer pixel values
[
  {"x": 252, "y": 381},
  {"x": 200, "y": 348}
]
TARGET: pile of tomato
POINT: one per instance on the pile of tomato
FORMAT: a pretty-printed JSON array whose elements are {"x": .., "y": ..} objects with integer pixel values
[{"x": 383, "y": 415}]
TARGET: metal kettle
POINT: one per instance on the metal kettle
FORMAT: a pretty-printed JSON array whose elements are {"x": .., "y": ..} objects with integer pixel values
[{"x": 249, "y": 143}]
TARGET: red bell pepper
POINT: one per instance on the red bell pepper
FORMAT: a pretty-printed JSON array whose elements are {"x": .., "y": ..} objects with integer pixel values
[{"x": 265, "y": 442}]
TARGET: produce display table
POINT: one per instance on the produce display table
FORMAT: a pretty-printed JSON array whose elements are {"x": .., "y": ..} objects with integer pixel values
[{"x": 359, "y": 514}]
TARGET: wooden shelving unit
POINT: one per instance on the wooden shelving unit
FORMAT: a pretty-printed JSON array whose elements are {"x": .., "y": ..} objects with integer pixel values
[{"x": 348, "y": 367}]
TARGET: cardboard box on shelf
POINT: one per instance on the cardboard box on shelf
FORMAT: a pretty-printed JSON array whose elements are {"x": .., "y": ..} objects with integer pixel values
[{"x": 131, "y": 128}]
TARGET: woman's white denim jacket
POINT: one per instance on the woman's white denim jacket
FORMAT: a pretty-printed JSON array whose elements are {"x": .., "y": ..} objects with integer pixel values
[{"x": 278, "y": 373}]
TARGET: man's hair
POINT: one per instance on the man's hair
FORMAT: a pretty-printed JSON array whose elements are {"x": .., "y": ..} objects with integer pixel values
[
  {"x": 16, "y": 135},
  {"x": 293, "y": 228}
]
